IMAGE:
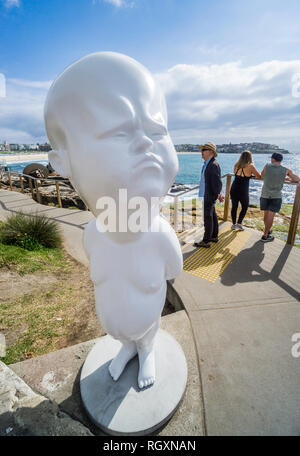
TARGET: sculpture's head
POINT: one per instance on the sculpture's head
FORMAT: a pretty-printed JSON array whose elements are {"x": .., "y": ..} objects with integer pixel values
[{"x": 106, "y": 121}]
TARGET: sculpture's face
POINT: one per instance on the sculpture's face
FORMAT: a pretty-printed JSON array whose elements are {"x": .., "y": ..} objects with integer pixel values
[{"x": 117, "y": 134}]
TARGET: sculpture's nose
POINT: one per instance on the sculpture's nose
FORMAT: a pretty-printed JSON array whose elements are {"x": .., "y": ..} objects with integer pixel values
[{"x": 142, "y": 143}]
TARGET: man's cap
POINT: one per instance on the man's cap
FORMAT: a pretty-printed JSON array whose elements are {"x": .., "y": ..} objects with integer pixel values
[
  {"x": 211, "y": 146},
  {"x": 277, "y": 156}
]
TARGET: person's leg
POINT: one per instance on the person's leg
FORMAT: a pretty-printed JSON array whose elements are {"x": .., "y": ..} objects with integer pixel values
[
  {"x": 245, "y": 204},
  {"x": 208, "y": 221},
  {"x": 234, "y": 207},
  {"x": 268, "y": 221},
  {"x": 215, "y": 230}
]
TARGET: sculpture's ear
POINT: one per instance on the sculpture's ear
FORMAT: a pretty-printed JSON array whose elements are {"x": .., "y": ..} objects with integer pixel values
[{"x": 59, "y": 160}]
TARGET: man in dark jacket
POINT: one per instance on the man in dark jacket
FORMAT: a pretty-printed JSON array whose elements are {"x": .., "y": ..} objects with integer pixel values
[{"x": 210, "y": 188}]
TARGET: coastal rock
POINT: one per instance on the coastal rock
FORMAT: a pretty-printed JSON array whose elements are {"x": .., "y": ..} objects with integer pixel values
[
  {"x": 178, "y": 188},
  {"x": 23, "y": 412}
]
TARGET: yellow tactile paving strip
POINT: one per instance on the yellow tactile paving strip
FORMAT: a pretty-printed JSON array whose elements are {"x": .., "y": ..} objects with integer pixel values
[{"x": 209, "y": 263}]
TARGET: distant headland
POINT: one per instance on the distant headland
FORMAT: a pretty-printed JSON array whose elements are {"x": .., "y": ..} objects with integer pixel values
[{"x": 255, "y": 148}]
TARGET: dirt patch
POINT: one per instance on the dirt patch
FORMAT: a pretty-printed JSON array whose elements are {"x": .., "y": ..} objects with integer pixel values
[
  {"x": 42, "y": 312},
  {"x": 12, "y": 285}
]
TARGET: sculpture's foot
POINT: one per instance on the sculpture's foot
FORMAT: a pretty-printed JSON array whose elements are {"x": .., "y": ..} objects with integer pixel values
[
  {"x": 146, "y": 375},
  {"x": 127, "y": 352}
]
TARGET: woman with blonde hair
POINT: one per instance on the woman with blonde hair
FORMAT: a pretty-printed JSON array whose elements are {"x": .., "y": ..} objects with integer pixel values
[{"x": 239, "y": 192}]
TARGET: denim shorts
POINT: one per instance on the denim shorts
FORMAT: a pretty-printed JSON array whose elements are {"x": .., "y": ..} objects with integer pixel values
[{"x": 270, "y": 204}]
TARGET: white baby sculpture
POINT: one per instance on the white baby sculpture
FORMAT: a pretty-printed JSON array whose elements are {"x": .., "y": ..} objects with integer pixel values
[{"x": 106, "y": 121}]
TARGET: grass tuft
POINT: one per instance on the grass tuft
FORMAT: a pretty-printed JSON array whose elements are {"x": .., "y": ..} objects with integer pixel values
[{"x": 31, "y": 232}]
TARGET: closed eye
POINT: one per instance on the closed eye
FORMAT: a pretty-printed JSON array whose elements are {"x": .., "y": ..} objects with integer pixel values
[
  {"x": 120, "y": 134},
  {"x": 158, "y": 134}
]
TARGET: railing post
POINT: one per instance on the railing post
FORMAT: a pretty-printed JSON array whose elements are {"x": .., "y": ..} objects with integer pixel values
[
  {"x": 227, "y": 197},
  {"x": 31, "y": 186},
  {"x": 294, "y": 218},
  {"x": 58, "y": 193},
  {"x": 38, "y": 195},
  {"x": 10, "y": 181},
  {"x": 21, "y": 183},
  {"x": 175, "y": 213}
]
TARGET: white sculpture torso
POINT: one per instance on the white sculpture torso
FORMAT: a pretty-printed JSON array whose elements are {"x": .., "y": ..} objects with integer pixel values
[
  {"x": 130, "y": 279},
  {"x": 106, "y": 121}
]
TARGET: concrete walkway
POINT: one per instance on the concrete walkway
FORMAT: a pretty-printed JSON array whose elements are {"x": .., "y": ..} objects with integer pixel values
[{"x": 242, "y": 325}]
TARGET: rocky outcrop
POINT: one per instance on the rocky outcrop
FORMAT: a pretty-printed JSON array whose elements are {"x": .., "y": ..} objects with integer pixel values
[{"x": 23, "y": 412}]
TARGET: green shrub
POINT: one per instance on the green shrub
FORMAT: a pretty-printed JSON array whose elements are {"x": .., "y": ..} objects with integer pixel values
[{"x": 32, "y": 232}]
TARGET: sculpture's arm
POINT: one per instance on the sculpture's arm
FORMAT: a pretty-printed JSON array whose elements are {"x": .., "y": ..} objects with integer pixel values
[{"x": 171, "y": 249}]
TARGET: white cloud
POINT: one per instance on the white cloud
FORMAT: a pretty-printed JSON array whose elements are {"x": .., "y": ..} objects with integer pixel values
[
  {"x": 223, "y": 103},
  {"x": 117, "y": 3},
  {"x": 12, "y": 3},
  {"x": 21, "y": 111},
  {"x": 230, "y": 101}
]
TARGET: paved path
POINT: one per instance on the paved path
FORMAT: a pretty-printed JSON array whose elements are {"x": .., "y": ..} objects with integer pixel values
[{"x": 242, "y": 324}]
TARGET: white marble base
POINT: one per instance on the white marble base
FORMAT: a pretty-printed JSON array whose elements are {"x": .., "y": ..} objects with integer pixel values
[{"x": 121, "y": 408}]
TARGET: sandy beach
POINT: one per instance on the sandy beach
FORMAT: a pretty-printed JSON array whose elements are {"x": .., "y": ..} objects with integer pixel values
[{"x": 12, "y": 158}]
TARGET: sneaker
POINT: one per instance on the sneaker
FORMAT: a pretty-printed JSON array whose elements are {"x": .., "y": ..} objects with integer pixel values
[
  {"x": 240, "y": 227},
  {"x": 234, "y": 227},
  {"x": 270, "y": 232},
  {"x": 267, "y": 238},
  {"x": 202, "y": 244}
]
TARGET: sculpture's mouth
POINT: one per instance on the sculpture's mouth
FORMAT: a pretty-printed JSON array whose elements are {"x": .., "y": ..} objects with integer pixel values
[{"x": 149, "y": 161}]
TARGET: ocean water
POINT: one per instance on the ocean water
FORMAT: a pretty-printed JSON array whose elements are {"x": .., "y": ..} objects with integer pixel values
[
  {"x": 190, "y": 165},
  {"x": 18, "y": 166}
]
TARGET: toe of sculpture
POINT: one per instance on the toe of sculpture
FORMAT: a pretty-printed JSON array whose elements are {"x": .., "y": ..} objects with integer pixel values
[{"x": 143, "y": 383}]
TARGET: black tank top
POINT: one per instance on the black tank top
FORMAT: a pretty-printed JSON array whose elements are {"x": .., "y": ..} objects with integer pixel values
[{"x": 241, "y": 182}]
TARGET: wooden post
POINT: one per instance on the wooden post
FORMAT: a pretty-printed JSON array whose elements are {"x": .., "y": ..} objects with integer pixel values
[
  {"x": 38, "y": 195},
  {"x": 31, "y": 187},
  {"x": 58, "y": 193},
  {"x": 10, "y": 182},
  {"x": 175, "y": 213},
  {"x": 21, "y": 183},
  {"x": 227, "y": 197},
  {"x": 294, "y": 218},
  {"x": 194, "y": 211}
]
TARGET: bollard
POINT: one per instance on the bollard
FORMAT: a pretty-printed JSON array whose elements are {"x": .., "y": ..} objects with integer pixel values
[
  {"x": 58, "y": 194},
  {"x": 31, "y": 187},
  {"x": 38, "y": 195},
  {"x": 10, "y": 181},
  {"x": 175, "y": 213},
  {"x": 21, "y": 183},
  {"x": 227, "y": 197},
  {"x": 295, "y": 218}
]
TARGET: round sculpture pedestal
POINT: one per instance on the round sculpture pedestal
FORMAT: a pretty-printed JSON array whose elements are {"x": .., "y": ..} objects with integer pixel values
[{"x": 121, "y": 408}]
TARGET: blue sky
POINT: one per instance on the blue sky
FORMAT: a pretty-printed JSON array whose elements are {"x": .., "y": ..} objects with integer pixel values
[{"x": 215, "y": 45}]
